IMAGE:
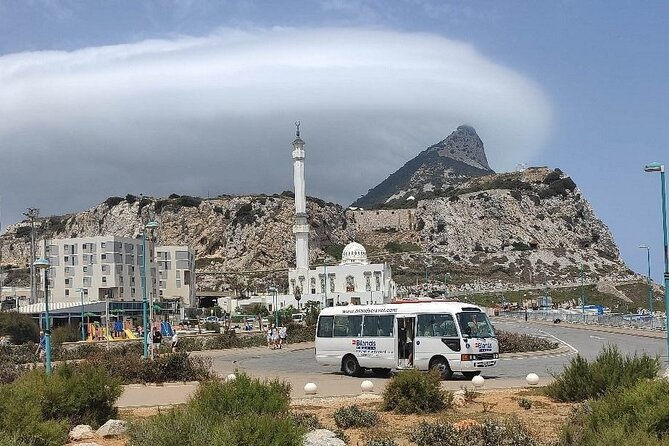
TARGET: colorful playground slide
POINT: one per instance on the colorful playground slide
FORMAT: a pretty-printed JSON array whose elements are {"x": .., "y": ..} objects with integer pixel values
[{"x": 130, "y": 334}]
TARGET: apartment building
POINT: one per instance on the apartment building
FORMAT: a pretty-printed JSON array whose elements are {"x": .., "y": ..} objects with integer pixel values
[
  {"x": 97, "y": 268},
  {"x": 176, "y": 274},
  {"x": 101, "y": 267}
]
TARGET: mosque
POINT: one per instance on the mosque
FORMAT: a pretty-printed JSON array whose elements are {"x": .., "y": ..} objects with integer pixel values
[{"x": 354, "y": 281}]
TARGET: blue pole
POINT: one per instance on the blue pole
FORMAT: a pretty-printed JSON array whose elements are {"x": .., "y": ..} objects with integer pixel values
[
  {"x": 666, "y": 257},
  {"x": 83, "y": 331},
  {"x": 47, "y": 332},
  {"x": 145, "y": 302}
]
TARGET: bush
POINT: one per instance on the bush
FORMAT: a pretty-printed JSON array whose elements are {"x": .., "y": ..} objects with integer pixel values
[
  {"x": 581, "y": 380},
  {"x": 353, "y": 416},
  {"x": 133, "y": 369},
  {"x": 301, "y": 333},
  {"x": 490, "y": 433},
  {"x": 241, "y": 412},
  {"x": 40, "y": 409},
  {"x": 308, "y": 421},
  {"x": 413, "y": 391},
  {"x": 241, "y": 396},
  {"x": 20, "y": 327},
  {"x": 639, "y": 413},
  {"x": 65, "y": 333},
  {"x": 381, "y": 442},
  {"x": 519, "y": 342}
]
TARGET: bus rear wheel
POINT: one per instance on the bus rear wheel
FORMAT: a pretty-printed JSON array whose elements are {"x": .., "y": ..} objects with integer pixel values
[
  {"x": 470, "y": 375},
  {"x": 440, "y": 364},
  {"x": 381, "y": 372},
  {"x": 350, "y": 366}
]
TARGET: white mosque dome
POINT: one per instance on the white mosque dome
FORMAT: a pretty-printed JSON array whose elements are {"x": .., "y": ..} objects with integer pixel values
[{"x": 354, "y": 254}]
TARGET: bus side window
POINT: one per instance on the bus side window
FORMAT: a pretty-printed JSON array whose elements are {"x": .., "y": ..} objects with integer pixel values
[{"x": 325, "y": 326}]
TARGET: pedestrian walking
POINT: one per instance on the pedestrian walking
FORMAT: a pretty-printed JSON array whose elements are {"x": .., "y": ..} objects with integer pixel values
[
  {"x": 175, "y": 341},
  {"x": 41, "y": 348},
  {"x": 157, "y": 339},
  {"x": 283, "y": 333},
  {"x": 269, "y": 336}
]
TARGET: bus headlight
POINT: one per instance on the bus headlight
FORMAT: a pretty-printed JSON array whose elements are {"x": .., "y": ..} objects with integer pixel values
[
  {"x": 467, "y": 357},
  {"x": 495, "y": 355}
]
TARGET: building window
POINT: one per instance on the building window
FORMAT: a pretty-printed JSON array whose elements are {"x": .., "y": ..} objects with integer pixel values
[
  {"x": 368, "y": 282},
  {"x": 377, "y": 279},
  {"x": 350, "y": 284},
  {"x": 132, "y": 292},
  {"x": 87, "y": 281},
  {"x": 331, "y": 278},
  {"x": 104, "y": 280},
  {"x": 322, "y": 279},
  {"x": 178, "y": 283},
  {"x": 67, "y": 293},
  {"x": 313, "y": 285}
]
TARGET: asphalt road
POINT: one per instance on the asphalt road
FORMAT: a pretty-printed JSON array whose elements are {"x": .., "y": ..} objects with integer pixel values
[
  {"x": 587, "y": 342},
  {"x": 297, "y": 365}
]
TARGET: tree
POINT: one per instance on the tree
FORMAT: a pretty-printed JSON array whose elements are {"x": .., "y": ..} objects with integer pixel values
[{"x": 20, "y": 327}]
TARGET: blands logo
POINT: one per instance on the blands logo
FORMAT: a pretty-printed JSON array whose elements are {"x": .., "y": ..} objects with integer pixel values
[{"x": 362, "y": 345}]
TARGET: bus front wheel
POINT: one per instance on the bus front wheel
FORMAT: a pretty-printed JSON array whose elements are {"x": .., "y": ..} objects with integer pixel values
[
  {"x": 440, "y": 364},
  {"x": 350, "y": 366}
]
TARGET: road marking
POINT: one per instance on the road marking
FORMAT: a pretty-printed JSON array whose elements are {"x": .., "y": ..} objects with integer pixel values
[
  {"x": 560, "y": 340},
  {"x": 598, "y": 338}
]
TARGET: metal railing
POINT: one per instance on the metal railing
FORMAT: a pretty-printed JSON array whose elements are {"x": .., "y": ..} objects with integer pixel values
[{"x": 645, "y": 321}]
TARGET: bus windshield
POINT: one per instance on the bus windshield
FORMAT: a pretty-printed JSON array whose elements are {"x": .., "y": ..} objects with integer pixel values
[{"x": 475, "y": 325}]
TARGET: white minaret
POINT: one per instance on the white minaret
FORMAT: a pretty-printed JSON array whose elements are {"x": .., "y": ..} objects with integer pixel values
[{"x": 301, "y": 227}]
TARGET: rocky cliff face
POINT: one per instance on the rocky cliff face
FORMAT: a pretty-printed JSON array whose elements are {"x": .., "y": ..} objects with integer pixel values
[
  {"x": 529, "y": 227},
  {"x": 458, "y": 158}
]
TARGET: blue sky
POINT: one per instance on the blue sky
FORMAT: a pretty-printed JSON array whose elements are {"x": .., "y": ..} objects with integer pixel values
[{"x": 577, "y": 85}]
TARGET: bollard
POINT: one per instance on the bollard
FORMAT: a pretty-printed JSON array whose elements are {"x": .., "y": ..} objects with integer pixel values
[
  {"x": 367, "y": 386},
  {"x": 478, "y": 381},
  {"x": 310, "y": 389},
  {"x": 532, "y": 379},
  {"x": 231, "y": 377}
]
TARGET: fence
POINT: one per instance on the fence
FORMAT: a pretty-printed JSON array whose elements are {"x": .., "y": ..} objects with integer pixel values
[{"x": 641, "y": 321}]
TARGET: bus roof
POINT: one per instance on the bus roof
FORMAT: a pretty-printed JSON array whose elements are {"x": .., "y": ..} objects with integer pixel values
[{"x": 405, "y": 307}]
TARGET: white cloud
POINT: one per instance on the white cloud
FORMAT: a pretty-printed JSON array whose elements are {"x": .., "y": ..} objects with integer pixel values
[{"x": 215, "y": 114}]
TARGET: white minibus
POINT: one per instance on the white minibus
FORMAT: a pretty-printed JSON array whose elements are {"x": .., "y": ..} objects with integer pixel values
[{"x": 446, "y": 336}]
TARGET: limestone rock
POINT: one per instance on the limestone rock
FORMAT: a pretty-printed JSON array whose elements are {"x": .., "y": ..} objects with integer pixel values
[
  {"x": 81, "y": 432},
  {"x": 112, "y": 428},
  {"x": 322, "y": 437}
]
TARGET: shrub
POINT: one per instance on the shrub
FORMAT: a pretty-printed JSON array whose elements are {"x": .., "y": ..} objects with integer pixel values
[
  {"x": 241, "y": 412},
  {"x": 489, "y": 433},
  {"x": 301, "y": 333},
  {"x": 212, "y": 326},
  {"x": 243, "y": 395},
  {"x": 308, "y": 421},
  {"x": 413, "y": 391},
  {"x": 353, "y": 416},
  {"x": 640, "y": 413},
  {"x": 40, "y": 409},
  {"x": 525, "y": 403},
  {"x": 113, "y": 201},
  {"x": 381, "y": 442},
  {"x": 20, "y": 327},
  {"x": 519, "y": 342},
  {"x": 581, "y": 380},
  {"x": 65, "y": 333},
  {"x": 395, "y": 247}
]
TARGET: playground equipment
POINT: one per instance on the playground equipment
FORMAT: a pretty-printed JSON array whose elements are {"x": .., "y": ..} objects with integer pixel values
[{"x": 166, "y": 329}]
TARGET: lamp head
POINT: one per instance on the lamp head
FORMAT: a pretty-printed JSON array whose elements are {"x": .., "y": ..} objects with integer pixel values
[
  {"x": 654, "y": 167},
  {"x": 41, "y": 263},
  {"x": 152, "y": 225},
  {"x": 644, "y": 247}
]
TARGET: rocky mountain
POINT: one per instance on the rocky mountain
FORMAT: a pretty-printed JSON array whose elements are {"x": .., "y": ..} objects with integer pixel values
[
  {"x": 456, "y": 159},
  {"x": 498, "y": 230}
]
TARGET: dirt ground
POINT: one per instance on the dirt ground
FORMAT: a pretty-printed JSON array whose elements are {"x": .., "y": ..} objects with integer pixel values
[{"x": 496, "y": 404}]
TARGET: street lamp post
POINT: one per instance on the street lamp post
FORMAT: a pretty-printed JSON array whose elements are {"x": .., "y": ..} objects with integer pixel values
[
  {"x": 44, "y": 264},
  {"x": 275, "y": 304},
  {"x": 580, "y": 273},
  {"x": 325, "y": 273},
  {"x": 83, "y": 331},
  {"x": 145, "y": 298},
  {"x": 650, "y": 281},
  {"x": 657, "y": 167}
]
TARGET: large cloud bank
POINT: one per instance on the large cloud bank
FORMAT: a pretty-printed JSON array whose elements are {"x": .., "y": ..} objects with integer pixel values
[{"x": 215, "y": 115}]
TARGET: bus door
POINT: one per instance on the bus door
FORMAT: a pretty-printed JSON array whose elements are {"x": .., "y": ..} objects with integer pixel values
[{"x": 406, "y": 329}]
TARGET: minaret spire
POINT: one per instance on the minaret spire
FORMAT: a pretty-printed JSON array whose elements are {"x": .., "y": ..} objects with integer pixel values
[{"x": 301, "y": 226}]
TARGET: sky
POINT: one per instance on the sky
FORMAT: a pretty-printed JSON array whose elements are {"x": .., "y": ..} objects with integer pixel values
[{"x": 106, "y": 98}]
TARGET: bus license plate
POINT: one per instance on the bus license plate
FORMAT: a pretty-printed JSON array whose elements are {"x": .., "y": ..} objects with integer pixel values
[{"x": 484, "y": 364}]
